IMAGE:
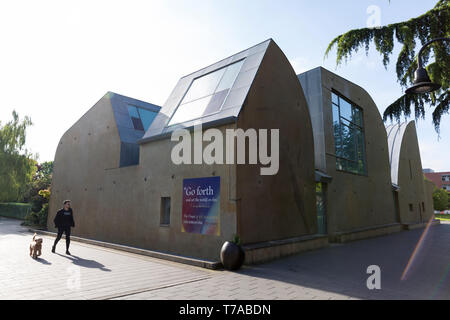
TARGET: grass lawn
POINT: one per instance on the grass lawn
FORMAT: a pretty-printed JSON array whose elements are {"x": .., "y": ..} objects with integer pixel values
[{"x": 445, "y": 217}]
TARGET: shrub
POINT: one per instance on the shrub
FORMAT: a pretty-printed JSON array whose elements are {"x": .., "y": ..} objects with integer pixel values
[
  {"x": 14, "y": 210},
  {"x": 39, "y": 210},
  {"x": 440, "y": 199}
]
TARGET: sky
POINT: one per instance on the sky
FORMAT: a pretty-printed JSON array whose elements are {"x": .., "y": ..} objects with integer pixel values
[{"x": 58, "y": 58}]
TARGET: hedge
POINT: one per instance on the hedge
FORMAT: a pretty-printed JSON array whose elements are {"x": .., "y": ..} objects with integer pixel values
[{"x": 14, "y": 210}]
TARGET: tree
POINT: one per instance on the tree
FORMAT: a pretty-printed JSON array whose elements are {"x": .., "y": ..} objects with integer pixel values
[
  {"x": 17, "y": 165},
  {"x": 41, "y": 180},
  {"x": 432, "y": 24},
  {"x": 440, "y": 199}
]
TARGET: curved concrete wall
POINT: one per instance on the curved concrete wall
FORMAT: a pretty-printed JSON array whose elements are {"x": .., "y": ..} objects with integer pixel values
[
  {"x": 85, "y": 153},
  {"x": 353, "y": 201},
  {"x": 278, "y": 206},
  {"x": 406, "y": 172}
]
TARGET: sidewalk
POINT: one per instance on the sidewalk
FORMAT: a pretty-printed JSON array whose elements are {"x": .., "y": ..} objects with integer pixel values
[{"x": 337, "y": 272}]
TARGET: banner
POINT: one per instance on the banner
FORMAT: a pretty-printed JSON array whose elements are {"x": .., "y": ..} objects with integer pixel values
[{"x": 201, "y": 206}]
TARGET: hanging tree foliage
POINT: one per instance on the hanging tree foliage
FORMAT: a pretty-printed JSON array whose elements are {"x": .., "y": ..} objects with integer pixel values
[
  {"x": 433, "y": 24},
  {"x": 16, "y": 164}
]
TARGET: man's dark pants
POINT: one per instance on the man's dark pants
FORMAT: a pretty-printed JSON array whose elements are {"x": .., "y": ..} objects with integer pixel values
[{"x": 62, "y": 230}]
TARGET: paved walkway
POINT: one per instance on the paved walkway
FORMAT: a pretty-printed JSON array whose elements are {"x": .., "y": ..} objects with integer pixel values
[{"x": 337, "y": 272}]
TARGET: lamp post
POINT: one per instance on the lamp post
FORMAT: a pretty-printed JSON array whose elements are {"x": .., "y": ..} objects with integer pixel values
[{"x": 422, "y": 82}]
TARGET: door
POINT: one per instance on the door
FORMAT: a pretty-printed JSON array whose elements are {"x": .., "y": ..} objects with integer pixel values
[{"x": 321, "y": 208}]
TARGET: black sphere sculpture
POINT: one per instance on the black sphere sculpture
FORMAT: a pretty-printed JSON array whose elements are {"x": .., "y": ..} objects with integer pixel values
[{"x": 232, "y": 256}]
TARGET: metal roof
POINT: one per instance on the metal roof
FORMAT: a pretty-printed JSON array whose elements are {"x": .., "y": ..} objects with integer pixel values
[
  {"x": 231, "y": 105},
  {"x": 395, "y": 134}
]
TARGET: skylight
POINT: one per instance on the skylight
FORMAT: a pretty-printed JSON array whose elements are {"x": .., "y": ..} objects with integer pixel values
[{"x": 206, "y": 94}]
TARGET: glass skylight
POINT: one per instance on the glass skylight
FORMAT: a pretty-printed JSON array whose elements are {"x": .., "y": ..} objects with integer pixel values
[{"x": 206, "y": 94}]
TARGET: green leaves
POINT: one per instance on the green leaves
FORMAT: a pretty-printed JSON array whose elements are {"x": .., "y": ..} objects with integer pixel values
[
  {"x": 440, "y": 199},
  {"x": 433, "y": 24},
  {"x": 17, "y": 166}
]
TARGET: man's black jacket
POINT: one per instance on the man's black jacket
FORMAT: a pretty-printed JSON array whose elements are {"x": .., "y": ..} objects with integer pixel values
[{"x": 64, "y": 220}]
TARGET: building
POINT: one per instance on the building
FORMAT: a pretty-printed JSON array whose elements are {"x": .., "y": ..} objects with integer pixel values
[
  {"x": 142, "y": 204},
  {"x": 350, "y": 145},
  {"x": 333, "y": 177},
  {"x": 440, "y": 179},
  {"x": 413, "y": 194}
]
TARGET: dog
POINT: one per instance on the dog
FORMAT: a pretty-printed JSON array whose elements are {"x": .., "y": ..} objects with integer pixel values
[{"x": 36, "y": 247}]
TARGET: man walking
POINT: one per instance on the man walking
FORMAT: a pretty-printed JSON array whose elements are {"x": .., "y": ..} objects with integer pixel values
[{"x": 64, "y": 221}]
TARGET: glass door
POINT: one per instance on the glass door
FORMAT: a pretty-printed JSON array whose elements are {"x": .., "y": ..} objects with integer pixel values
[{"x": 321, "y": 208}]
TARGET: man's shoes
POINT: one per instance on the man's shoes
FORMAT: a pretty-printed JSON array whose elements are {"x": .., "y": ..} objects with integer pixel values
[
  {"x": 53, "y": 249},
  {"x": 67, "y": 252}
]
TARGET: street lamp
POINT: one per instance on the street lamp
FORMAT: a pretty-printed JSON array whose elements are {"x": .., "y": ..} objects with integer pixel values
[{"x": 422, "y": 82}]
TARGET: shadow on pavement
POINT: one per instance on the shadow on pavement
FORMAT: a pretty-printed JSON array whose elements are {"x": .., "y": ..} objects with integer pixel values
[
  {"x": 342, "y": 268},
  {"x": 85, "y": 262},
  {"x": 42, "y": 260}
]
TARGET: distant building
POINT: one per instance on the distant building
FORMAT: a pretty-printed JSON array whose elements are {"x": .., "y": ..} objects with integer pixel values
[
  {"x": 440, "y": 179},
  {"x": 428, "y": 170}
]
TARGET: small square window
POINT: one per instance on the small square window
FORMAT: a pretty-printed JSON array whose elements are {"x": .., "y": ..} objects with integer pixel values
[
  {"x": 411, "y": 208},
  {"x": 165, "y": 211}
]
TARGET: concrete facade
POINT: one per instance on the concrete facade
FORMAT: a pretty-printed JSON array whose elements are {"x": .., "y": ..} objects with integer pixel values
[
  {"x": 354, "y": 203},
  {"x": 413, "y": 195},
  {"x": 122, "y": 204},
  {"x": 117, "y": 177}
]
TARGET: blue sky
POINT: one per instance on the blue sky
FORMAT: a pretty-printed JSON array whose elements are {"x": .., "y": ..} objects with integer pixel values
[{"x": 59, "y": 57}]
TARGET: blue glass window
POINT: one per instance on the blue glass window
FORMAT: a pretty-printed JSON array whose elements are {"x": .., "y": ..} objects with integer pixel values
[
  {"x": 141, "y": 118},
  {"x": 348, "y": 135}
]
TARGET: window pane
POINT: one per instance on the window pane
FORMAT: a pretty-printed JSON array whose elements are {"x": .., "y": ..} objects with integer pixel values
[
  {"x": 203, "y": 86},
  {"x": 357, "y": 116},
  {"x": 216, "y": 102},
  {"x": 360, "y": 149},
  {"x": 348, "y": 136},
  {"x": 137, "y": 124},
  {"x": 335, "y": 98},
  {"x": 165, "y": 211},
  {"x": 230, "y": 75},
  {"x": 335, "y": 114},
  {"x": 132, "y": 111},
  {"x": 349, "y": 143},
  {"x": 346, "y": 109},
  {"x": 190, "y": 110},
  {"x": 147, "y": 117}
]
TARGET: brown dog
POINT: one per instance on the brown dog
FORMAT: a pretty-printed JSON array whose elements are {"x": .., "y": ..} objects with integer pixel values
[{"x": 36, "y": 247}]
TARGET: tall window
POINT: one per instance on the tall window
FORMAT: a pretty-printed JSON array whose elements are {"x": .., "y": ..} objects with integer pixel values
[
  {"x": 348, "y": 129},
  {"x": 165, "y": 211},
  {"x": 206, "y": 94},
  {"x": 141, "y": 118}
]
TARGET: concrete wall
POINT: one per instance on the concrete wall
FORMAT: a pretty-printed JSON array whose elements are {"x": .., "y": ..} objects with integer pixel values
[
  {"x": 278, "y": 206},
  {"x": 410, "y": 178},
  {"x": 122, "y": 205},
  {"x": 429, "y": 206},
  {"x": 353, "y": 201},
  {"x": 85, "y": 152}
]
